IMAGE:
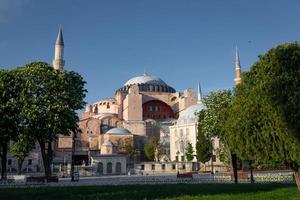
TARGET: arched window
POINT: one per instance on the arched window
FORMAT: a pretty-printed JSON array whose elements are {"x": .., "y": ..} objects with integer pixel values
[
  {"x": 173, "y": 98},
  {"x": 118, "y": 168},
  {"x": 96, "y": 109},
  {"x": 100, "y": 168},
  {"x": 109, "y": 168},
  {"x": 151, "y": 88}
]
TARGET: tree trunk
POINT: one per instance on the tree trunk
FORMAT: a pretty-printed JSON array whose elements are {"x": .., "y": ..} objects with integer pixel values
[
  {"x": 46, "y": 160},
  {"x": 4, "y": 162},
  {"x": 212, "y": 165},
  {"x": 20, "y": 163},
  {"x": 297, "y": 178},
  {"x": 234, "y": 167},
  {"x": 251, "y": 175}
]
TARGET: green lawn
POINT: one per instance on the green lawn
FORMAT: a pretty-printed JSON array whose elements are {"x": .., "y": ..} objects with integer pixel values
[{"x": 179, "y": 191}]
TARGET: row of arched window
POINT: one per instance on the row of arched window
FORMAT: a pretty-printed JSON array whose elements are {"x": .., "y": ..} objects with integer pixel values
[
  {"x": 150, "y": 88},
  {"x": 109, "y": 168},
  {"x": 181, "y": 132}
]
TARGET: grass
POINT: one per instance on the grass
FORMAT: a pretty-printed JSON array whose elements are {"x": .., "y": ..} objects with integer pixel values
[{"x": 179, "y": 191}]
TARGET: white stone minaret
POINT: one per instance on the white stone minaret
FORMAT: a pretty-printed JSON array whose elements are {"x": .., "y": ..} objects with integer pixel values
[
  {"x": 199, "y": 100},
  {"x": 237, "y": 79},
  {"x": 58, "y": 62}
]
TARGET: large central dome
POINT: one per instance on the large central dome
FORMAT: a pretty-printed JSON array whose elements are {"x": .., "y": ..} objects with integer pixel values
[
  {"x": 148, "y": 83},
  {"x": 145, "y": 79}
]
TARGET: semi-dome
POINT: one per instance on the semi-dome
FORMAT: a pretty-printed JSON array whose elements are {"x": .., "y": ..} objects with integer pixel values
[
  {"x": 147, "y": 83},
  {"x": 118, "y": 131},
  {"x": 189, "y": 115}
]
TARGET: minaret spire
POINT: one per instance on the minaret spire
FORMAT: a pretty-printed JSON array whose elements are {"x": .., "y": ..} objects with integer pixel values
[
  {"x": 199, "y": 99},
  {"x": 145, "y": 72},
  {"x": 237, "y": 79},
  {"x": 58, "y": 61}
]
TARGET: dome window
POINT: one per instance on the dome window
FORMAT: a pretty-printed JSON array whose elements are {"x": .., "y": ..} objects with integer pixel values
[{"x": 173, "y": 98}]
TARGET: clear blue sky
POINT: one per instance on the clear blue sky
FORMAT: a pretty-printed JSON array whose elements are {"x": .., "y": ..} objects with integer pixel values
[{"x": 181, "y": 41}]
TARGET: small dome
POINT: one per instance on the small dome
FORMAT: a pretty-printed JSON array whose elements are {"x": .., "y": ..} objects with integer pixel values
[
  {"x": 119, "y": 131},
  {"x": 145, "y": 79},
  {"x": 107, "y": 143},
  {"x": 189, "y": 115}
]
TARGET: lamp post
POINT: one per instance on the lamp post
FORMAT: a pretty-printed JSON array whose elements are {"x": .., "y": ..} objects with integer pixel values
[
  {"x": 73, "y": 155},
  {"x": 177, "y": 160}
]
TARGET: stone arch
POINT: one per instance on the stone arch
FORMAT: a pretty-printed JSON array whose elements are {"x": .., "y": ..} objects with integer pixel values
[
  {"x": 100, "y": 168},
  {"x": 158, "y": 110},
  {"x": 109, "y": 168}
]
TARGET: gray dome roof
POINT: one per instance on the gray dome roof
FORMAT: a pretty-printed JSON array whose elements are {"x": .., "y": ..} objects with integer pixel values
[
  {"x": 145, "y": 79},
  {"x": 147, "y": 83},
  {"x": 119, "y": 131},
  {"x": 107, "y": 143},
  {"x": 189, "y": 115}
]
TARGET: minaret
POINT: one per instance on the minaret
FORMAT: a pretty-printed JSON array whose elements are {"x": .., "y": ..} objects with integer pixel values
[
  {"x": 145, "y": 72},
  {"x": 58, "y": 62},
  {"x": 237, "y": 79},
  {"x": 199, "y": 100}
]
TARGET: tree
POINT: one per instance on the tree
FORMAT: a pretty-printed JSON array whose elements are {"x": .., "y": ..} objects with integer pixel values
[
  {"x": 126, "y": 146},
  {"x": 20, "y": 149},
  {"x": 213, "y": 119},
  {"x": 203, "y": 145},
  {"x": 267, "y": 128},
  {"x": 10, "y": 120},
  {"x": 224, "y": 153},
  {"x": 153, "y": 149},
  {"x": 189, "y": 152},
  {"x": 50, "y": 100}
]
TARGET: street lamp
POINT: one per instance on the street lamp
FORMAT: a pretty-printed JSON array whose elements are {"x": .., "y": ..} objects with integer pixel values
[{"x": 177, "y": 160}]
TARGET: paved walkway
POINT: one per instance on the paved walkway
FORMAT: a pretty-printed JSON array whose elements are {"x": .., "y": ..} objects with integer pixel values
[{"x": 282, "y": 177}]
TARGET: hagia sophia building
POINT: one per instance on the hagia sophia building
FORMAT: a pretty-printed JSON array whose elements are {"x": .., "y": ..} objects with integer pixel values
[{"x": 144, "y": 107}]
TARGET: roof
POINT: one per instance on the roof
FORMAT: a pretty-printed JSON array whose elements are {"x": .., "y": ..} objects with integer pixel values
[
  {"x": 145, "y": 79},
  {"x": 60, "y": 38},
  {"x": 103, "y": 115},
  {"x": 107, "y": 143},
  {"x": 189, "y": 115},
  {"x": 118, "y": 131}
]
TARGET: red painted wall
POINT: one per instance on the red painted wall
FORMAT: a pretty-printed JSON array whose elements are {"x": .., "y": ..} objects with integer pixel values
[{"x": 157, "y": 110}]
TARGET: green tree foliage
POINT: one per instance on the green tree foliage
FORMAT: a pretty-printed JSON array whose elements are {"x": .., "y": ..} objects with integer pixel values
[
  {"x": 21, "y": 148},
  {"x": 216, "y": 112},
  {"x": 203, "y": 145},
  {"x": 153, "y": 149},
  {"x": 50, "y": 99},
  {"x": 224, "y": 153},
  {"x": 265, "y": 113},
  {"x": 213, "y": 120},
  {"x": 126, "y": 146},
  {"x": 189, "y": 152},
  {"x": 10, "y": 120}
]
